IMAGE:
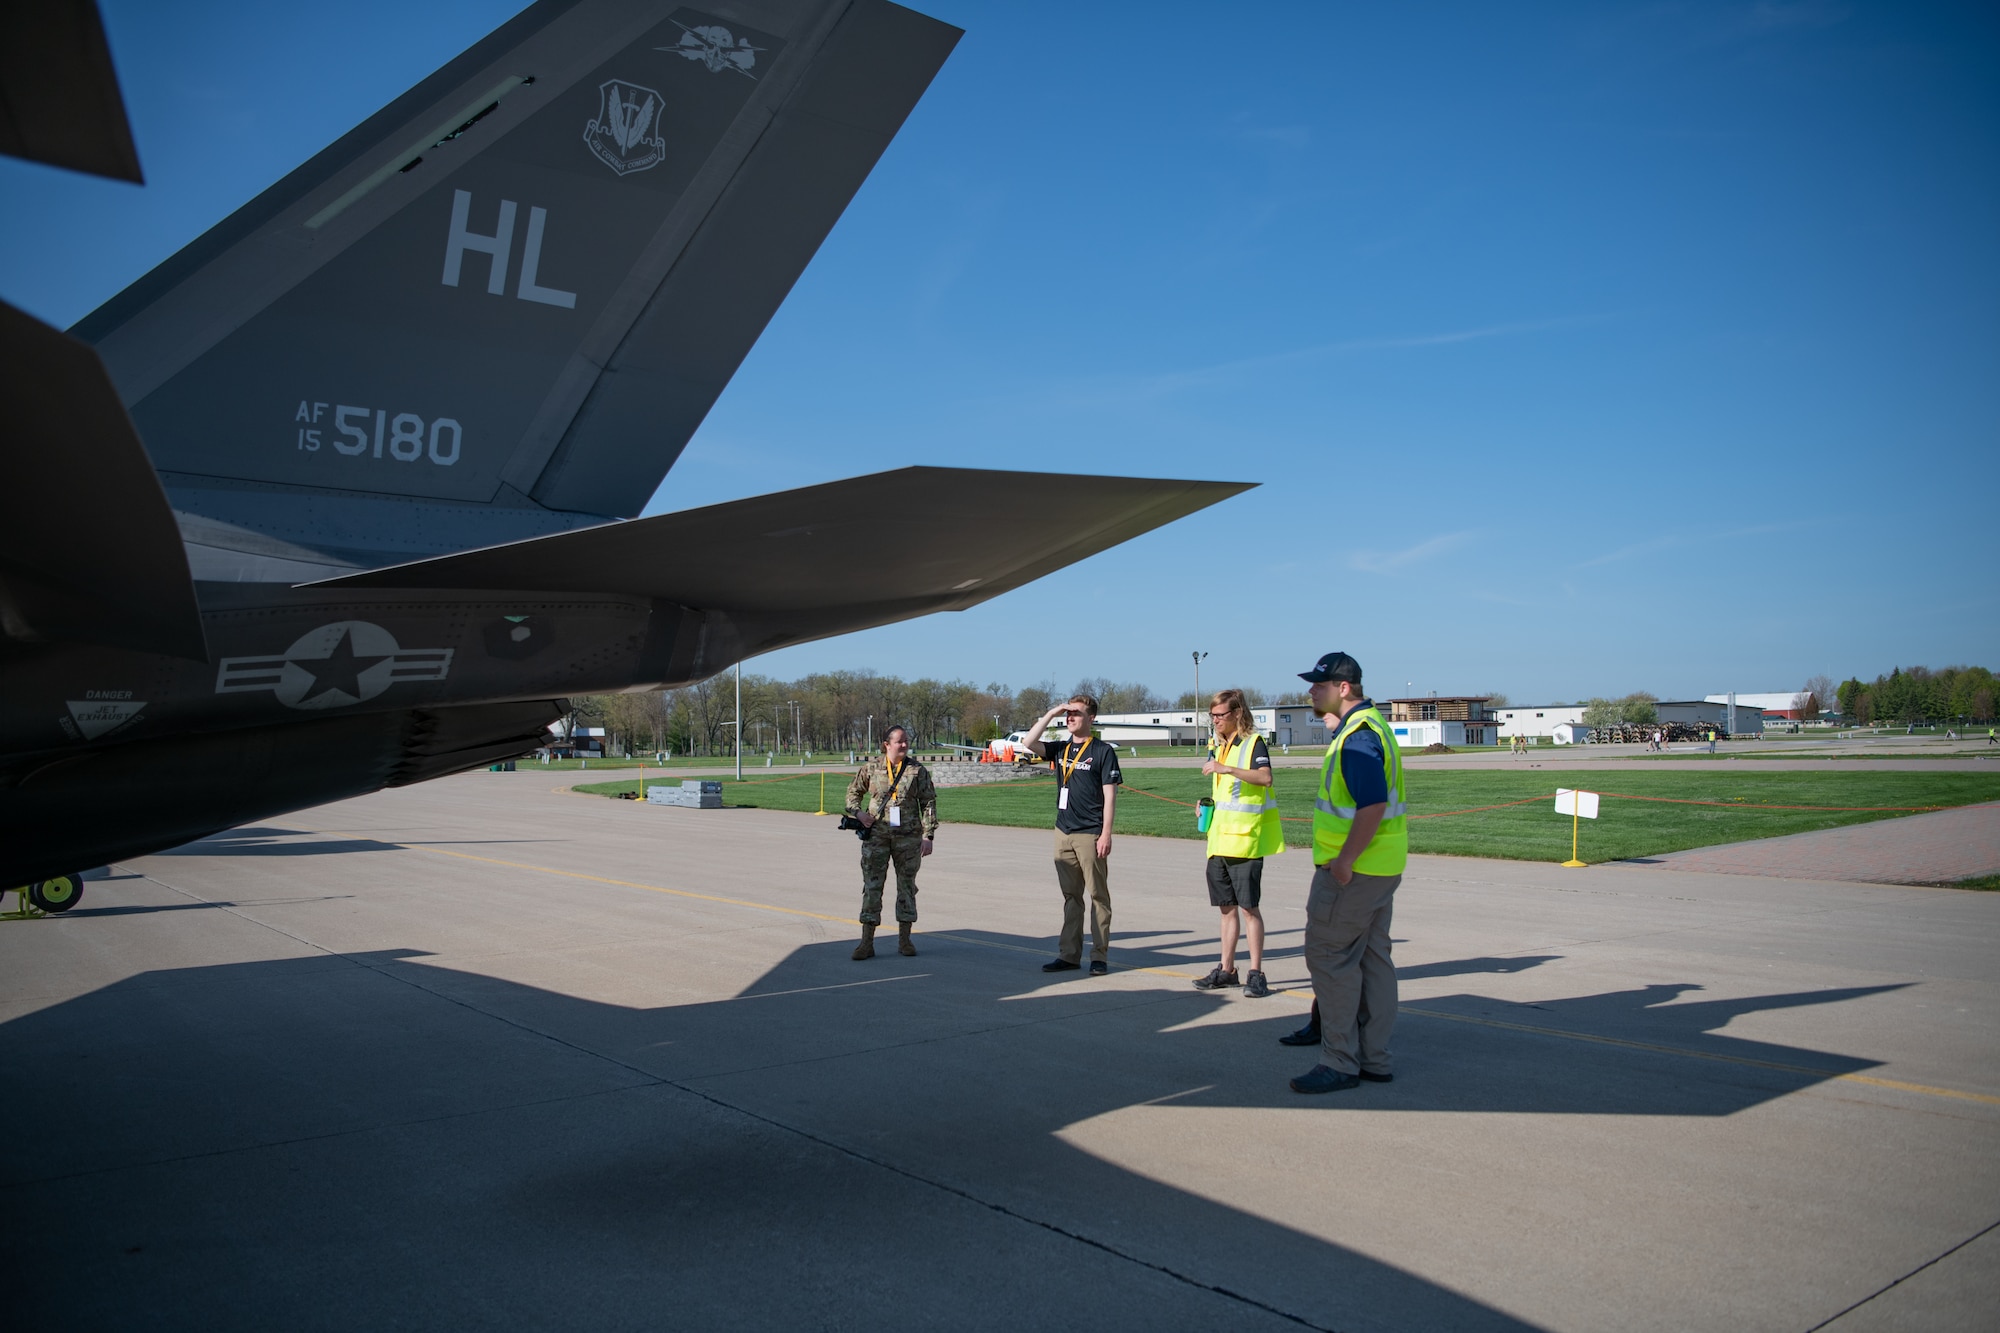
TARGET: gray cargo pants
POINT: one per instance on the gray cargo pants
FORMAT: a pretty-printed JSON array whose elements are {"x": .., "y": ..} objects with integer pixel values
[{"x": 1347, "y": 952}]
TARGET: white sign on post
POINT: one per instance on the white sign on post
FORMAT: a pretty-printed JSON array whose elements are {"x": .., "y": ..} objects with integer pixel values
[{"x": 1581, "y": 803}]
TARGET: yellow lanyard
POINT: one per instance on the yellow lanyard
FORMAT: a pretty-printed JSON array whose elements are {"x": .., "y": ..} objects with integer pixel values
[
  {"x": 895, "y": 776},
  {"x": 1069, "y": 761}
]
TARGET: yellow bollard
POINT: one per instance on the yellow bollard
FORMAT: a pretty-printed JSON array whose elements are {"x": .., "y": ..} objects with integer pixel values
[{"x": 822, "y": 793}]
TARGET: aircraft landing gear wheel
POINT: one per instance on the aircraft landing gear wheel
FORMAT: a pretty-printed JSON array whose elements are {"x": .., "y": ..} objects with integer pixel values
[{"x": 58, "y": 894}]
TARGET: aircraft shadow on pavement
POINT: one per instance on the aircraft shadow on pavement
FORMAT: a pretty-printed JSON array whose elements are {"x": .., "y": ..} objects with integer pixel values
[
  {"x": 423, "y": 1082},
  {"x": 305, "y": 842},
  {"x": 148, "y": 909},
  {"x": 1590, "y": 1055},
  {"x": 960, "y": 1068}
]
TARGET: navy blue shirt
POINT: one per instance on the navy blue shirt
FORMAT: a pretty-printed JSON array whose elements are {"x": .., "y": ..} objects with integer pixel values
[{"x": 1364, "y": 767}]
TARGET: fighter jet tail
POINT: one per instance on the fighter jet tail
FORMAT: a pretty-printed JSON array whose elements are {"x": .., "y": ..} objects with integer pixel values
[
  {"x": 823, "y": 560},
  {"x": 502, "y": 305}
]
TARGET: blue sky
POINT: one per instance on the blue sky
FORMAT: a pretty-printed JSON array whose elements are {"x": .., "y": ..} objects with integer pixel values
[{"x": 1580, "y": 348}]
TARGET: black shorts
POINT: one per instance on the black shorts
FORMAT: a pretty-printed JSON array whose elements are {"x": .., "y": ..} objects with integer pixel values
[{"x": 1235, "y": 881}]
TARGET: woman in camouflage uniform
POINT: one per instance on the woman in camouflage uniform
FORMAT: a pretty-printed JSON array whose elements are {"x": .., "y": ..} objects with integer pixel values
[{"x": 893, "y": 798}]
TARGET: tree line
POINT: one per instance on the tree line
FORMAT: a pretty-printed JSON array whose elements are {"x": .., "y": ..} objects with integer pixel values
[
  {"x": 838, "y": 711},
  {"x": 1634, "y": 710},
  {"x": 1920, "y": 694}
]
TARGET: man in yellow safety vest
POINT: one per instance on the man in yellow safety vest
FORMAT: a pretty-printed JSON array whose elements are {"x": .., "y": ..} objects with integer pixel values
[
  {"x": 1243, "y": 829},
  {"x": 1361, "y": 844}
]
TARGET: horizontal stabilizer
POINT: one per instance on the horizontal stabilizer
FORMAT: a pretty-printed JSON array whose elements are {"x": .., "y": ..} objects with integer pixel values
[
  {"x": 89, "y": 551},
  {"x": 804, "y": 564},
  {"x": 59, "y": 98}
]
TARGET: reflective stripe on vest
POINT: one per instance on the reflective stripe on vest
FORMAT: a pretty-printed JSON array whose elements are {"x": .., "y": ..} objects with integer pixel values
[{"x": 1395, "y": 807}]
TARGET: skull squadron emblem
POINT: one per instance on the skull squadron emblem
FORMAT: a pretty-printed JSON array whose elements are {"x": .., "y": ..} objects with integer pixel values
[
  {"x": 625, "y": 134},
  {"x": 716, "y": 48}
]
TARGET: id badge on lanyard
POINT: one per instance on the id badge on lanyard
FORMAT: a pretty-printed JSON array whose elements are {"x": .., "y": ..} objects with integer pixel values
[
  {"x": 895, "y": 816},
  {"x": 1067, "y": 769}
]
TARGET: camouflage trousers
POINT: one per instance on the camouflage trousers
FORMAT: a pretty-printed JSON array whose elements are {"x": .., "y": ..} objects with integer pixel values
[{"x": 876, "y": 854}]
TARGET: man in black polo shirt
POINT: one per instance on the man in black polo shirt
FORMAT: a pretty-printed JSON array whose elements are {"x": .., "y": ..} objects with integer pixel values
[{"x": 1087, "y": 781}]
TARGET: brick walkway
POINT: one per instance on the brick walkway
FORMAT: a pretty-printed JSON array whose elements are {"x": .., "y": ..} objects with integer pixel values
[{"x": 1919, "y": 849}]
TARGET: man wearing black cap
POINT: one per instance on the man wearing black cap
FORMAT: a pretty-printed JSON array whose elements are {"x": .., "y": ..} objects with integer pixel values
[{"x": 1361, "y": 846}]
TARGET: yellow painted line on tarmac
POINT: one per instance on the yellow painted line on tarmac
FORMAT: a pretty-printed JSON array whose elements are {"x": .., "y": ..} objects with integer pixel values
[{"x": 1871, "y": 1080}]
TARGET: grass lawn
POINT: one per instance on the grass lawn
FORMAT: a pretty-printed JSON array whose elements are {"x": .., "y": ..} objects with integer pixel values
[{"x": 1528, "y": 832}]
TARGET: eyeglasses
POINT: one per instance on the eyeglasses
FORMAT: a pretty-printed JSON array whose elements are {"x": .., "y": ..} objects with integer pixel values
[
  {"x": 1224, "y": 713},
  {"x": 1075, "y": 713}
]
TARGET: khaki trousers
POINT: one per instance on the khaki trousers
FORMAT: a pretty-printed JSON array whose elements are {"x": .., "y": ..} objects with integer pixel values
[
  {"x": 1347, "y": 952},
  {"x": 1079, "y": 869}
]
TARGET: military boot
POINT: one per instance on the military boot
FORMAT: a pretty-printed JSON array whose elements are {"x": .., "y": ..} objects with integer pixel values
[
  {"x": 903, "y": 945},
  {"x": 865, "y": 949}
]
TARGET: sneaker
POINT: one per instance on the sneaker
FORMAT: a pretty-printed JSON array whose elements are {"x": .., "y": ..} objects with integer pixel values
[
  {"x": 1322, "y": 1079},
  {"x": 1217, "y": 979},
  {"x": 1257, "y": 987},
  {"x": 1099, "y": 968},
  {"x": 1060, "y": 965}
]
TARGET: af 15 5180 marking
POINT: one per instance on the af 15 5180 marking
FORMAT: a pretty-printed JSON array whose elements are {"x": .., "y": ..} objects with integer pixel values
[{"x": 402, "y": 436}]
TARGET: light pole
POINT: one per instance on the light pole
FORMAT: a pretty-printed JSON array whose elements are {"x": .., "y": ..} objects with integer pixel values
[
  {"x": 739, "y": 722},
  {"x": 871, "y": 733},
  {"x": 1197, "y": 678}
]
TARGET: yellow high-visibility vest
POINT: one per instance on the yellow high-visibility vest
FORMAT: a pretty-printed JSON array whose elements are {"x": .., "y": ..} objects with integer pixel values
[
  {"x": 1245, "y": 822},
  {"x": 1333, "y": 809}
]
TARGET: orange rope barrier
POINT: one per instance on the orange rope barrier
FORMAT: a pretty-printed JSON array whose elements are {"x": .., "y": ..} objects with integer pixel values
[
  {"x": 1473, "y": 810},
  {"x": 1758, "y": 805},
  {"x": 1307, "y": 819},
  {"x": 1623, "y": 796}
]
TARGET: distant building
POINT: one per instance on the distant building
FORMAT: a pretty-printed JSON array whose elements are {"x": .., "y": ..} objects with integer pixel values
[
  {"x": 1570, "y": 733},
  {"x": 1291, "y": 724},
  {"x": 1279, "y": 724},
  {"x": 1159, "y": 728},
  {"x": 1536, "y": 720},
  {"x": 1709, "y": 713},
  {"x": 587, "y": 743},
  {"x": 1455, "y": 719},
  {"x": 1772, "y": 704}
]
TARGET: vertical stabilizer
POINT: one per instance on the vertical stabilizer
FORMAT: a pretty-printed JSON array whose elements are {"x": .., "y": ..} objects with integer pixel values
[{"x": 521, "y": 286}]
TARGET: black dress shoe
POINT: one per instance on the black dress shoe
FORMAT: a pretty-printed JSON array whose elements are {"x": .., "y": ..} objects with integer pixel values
[
  {"x": 1061, "y": 965},
  {"x": 1305, "y": 1036},
  {"x": 1370, "y": 1076},
  {"x": 1098, "y": 967}
]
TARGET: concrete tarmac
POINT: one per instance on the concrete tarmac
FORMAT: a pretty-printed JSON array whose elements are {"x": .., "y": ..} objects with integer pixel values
[{"x": 485, "y": 1053}]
